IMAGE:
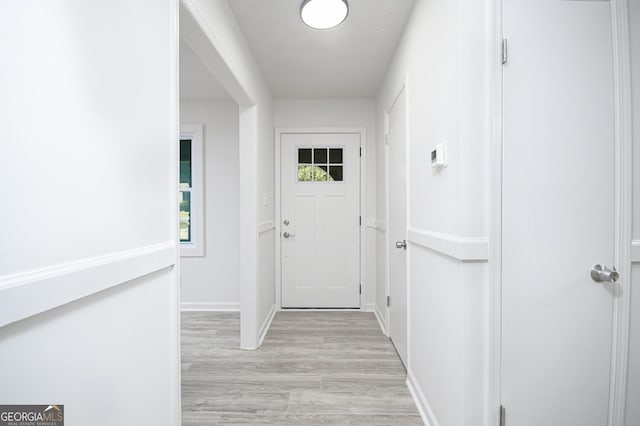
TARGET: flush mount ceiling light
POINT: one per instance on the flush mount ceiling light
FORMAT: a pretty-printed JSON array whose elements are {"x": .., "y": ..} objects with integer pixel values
[{"x": 324, "y": 14}]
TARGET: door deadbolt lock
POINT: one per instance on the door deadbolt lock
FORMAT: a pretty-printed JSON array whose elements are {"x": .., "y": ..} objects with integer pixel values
[{"x": 286, "y": 222}]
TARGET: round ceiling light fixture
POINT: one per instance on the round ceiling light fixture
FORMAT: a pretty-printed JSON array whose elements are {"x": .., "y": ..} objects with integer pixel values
[{"x": 324, "y": 14}]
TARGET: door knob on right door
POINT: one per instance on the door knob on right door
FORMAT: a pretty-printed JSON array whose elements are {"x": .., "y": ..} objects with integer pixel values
[
  {"x": 401, "y": 244},
  {"x": 600, "y": 274}
]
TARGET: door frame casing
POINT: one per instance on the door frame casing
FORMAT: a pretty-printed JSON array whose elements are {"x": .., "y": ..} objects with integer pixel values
[
  {"x": 494, "y": 381},
  {"x": 622, "y": 211},
  {"x": 623, "y": 175},
  {"x": 402, "y": 88},
  {"x": 362, "y": 188}
]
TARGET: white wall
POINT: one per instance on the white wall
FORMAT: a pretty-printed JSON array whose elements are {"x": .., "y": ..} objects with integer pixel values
[
  {"x": 266, "y": 194},
  {"x": 213, "y": 281},
  {"x": 110, "y": 349},
  {"x": 220, "y": 44},
  {"x": 354, "y": 113},
  {"x": 88, "y": 286},
  {"x": 443, "y": 56},
  {"x": 633, "y": 396}
]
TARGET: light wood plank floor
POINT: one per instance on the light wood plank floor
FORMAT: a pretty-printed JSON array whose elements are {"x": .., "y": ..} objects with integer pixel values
[{"x": 314, "y": 368}]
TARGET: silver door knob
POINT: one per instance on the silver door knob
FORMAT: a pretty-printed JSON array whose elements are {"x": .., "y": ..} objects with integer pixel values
[
  {"x": 287, "y": 235},
  {"x": 602, "y": 274},
  {"x": 286, "y": 222},
  {"x": 401, "y": 244}
]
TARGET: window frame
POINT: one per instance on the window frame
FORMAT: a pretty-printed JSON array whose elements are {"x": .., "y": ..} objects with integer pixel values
[{"x": 195, "y": 247}]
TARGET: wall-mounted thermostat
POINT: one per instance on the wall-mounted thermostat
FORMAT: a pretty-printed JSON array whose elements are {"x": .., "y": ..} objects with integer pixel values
[{"x": 439, "y": 156}]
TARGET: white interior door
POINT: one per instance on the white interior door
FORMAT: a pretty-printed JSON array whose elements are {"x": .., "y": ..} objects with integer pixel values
[
  {"x": 558, "y": 212},
  {"x": 397, "y": 225},
  {"x": 320, "y": 212}
]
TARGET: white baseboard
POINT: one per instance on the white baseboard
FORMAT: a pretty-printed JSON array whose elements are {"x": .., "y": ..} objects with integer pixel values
[
  {"x": 425, "y": 411},
  {"x": 264, "y": 329},
  {"x": 209, "y": 307},
  {"x": 322, "y": 310},
  {"x": 371, "y": 307},
  {"x": 381, "y": 320}
]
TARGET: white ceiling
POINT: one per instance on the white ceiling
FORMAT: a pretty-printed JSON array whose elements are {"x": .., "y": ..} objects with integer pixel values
[
  {"x": 196, "y": 82},
  {"x": 348, "y": 61}
]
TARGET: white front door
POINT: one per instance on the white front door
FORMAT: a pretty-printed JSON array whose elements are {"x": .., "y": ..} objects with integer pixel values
[
  {"x": 558, "y": 212},
  {"x": 320, "y": 213},
  {"x": 397, "y": 198}
]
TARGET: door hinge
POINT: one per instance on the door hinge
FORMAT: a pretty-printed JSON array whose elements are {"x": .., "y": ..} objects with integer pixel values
[
  {"x": 360, "y": 220},
  {"x": 386, "y": 138},
  {"x": 388, "y": 301},
  {"x": 361, "y": 152},
  {"x": 360, "y": 288},
  {"x": 502, "y": 415},
  {"x": 505, "y": 51}
]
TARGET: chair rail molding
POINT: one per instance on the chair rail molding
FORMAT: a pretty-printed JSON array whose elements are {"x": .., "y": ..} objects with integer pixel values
[
  {"x": 376, "y": 225},
  {"x": 635, "y": 251},
  {"x": 266, "y": 226},
  {"x": 30, "y": 293},
  {"x": 464, "y": 249}
]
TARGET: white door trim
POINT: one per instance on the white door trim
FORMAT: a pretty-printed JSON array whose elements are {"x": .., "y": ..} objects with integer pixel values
[
  {"x": 363, "y": 191},
  {"x": 404, "y": 86},
  {"x": 623, "y": 210},
  {"x": 623, "y": 206},
  {"x": 494, "y": 394}
]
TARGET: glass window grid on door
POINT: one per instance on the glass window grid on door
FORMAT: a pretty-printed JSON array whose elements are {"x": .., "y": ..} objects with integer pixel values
[{"x": 320, "y": 164}]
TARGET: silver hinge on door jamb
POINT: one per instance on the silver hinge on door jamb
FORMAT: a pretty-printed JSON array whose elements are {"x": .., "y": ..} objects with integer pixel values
[
  {"x": 502, "y": 415},
  {"x": 505, "y": 51},
  {"x": 388, "y": 301}
]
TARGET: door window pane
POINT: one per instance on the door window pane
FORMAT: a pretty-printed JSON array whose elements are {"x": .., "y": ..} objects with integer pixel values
[
  {"x": 305, "y": 173},
  {"x": 304, "y": 156},
  {"x": 335, "y": 155},
  {"x": 335, "y": 173},
  {"x": 320, "y": 173},
  {"x": 320, "y": 155}
]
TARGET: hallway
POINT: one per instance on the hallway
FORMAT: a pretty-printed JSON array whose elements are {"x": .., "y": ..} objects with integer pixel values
[{"x": 314, "y": 368}]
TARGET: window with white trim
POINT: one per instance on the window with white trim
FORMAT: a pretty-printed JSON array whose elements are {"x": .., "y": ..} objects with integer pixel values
[{"x": 191, "y": 191}]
